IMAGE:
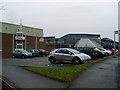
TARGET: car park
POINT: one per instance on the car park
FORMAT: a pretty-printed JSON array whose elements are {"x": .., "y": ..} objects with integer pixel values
[
  {"x": 68, "y": 54},
  {"x": 43, "y": 52},
  {"x": 34, "y": 52},
  {"x": 91, "y": 51},
  {"x": 21, "y": 53}
]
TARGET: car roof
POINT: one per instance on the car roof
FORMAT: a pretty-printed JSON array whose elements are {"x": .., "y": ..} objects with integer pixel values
[{"x": 65, "y": 49}]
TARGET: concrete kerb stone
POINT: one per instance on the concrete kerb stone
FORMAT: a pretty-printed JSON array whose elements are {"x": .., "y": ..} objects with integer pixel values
[{"x": 9, "y": 84}]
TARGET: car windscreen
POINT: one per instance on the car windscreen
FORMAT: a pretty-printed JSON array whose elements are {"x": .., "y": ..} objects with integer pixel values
[
  {"x": 101, "y": 49},
  {"x": 24, "y": 51}
]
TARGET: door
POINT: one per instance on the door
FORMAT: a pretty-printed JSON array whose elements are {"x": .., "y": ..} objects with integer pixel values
[
  {"x": 18, "y": 53},
  {"x": 59, "y": 55},
  {"x": 68, "y": 56}
]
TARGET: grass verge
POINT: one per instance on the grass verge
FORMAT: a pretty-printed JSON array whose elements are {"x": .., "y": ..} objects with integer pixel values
[{"x": 64, "y": 74}]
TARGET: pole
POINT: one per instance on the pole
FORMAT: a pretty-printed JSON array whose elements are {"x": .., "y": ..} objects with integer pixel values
[
  {"x": 36, "y": 43},
  {"x": 119, "y": 39},
  {"x": 114, "y": 42},
  {"x": 13, "y": 42},
  {"x": 25, "y": 42}
]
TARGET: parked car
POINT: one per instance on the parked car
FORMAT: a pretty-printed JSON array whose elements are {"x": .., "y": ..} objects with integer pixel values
[
  {"x": 21, "y": 53},
  {"x": 34, "y": 52},
  {"x": 43, "y": 52},
  {"x": 67, "y": 54},
  {"x": 107, "y": 52},
  {"x": 113, "y": 51},
  {"x": 91, "y": 51},
  {"x": 104, "y": 53}
]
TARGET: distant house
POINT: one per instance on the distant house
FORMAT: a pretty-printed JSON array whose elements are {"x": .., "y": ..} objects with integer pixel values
[{"x": 108, "y": 43}]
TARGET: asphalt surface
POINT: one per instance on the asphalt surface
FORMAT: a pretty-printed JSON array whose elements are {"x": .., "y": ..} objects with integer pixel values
[
  {"x": 37, "y": 62},
  {"x": 101, "y": 75},
  {"x": 25, "y": 79}
]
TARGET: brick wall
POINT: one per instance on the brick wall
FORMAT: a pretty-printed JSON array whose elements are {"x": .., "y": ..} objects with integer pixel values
[
  {"x": 7, "y": 41},
  {"x": 40, "y": 44},
  {"x": 30, "y": 42},
  {"x": 7, "y": 44}
]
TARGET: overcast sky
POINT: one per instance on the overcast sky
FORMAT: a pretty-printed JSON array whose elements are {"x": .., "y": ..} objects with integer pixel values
[{"x": 59, "y": 17}]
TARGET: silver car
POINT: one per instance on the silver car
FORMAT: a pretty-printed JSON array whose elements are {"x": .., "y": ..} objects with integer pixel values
[
  {"x": 67, "y": 54},
  {"x": 21, "y": 53}
]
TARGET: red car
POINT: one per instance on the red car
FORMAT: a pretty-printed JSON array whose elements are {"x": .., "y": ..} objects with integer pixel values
[{"x": 113, "y": 51}]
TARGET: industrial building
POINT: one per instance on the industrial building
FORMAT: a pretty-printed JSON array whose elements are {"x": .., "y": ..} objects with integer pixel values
[
  {"x": 70, "y": 40},
  {"x": 19, "y": 36},
  {"x": 15, "y": 36},
  {"x": 109, "y": 43}
]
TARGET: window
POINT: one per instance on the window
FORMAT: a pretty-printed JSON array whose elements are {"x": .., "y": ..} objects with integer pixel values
[
  {"x": 17, "y": 51},
  {"x": 58, "y": 51},
  {"x": 19, "y": 42},
  {"x": 63, "y": 51},
  {"x": 66, "y": 52},
  {"x": 19, "y": 46},
  {"x": 19, "y": 34},
  {"x": 88, "y": 49}
]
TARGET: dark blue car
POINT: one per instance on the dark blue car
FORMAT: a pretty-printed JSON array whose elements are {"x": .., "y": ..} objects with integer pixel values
[{"x": 34, "y": 52}]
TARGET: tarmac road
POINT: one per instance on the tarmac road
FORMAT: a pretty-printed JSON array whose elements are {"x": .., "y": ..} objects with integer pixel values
[
  {"x": 37, "y": 62},
  {"x": 25, "y": 79},
  {"x": 101, "y": 75}
]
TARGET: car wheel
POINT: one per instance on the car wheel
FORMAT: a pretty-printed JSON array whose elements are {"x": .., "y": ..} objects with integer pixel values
[
  {"x": 107, "y": 54},
  {"x": 13, "y": 56},
  {"x": 41, "y": 55},
  {"x": 52, "y": 60},
  {"x": 23, "y": 56},
  {"x": 76, "y": 61}
]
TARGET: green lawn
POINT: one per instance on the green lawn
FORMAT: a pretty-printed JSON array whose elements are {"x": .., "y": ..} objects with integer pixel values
[{"x": 63, "y": 74}]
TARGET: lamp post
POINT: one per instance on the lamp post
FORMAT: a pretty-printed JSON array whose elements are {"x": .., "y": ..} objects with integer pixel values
[
  {"x": 117, "y": 32},
  {"x": 119, "y": 41}
]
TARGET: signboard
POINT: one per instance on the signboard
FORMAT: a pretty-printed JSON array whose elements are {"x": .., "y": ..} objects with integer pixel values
[{"x": 19, "y": 38}]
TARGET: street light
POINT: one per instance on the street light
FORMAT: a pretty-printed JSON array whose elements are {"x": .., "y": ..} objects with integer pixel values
[{"x": 117, "y": 32}]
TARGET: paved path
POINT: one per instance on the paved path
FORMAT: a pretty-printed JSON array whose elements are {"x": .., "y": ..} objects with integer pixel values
[
  {"x": 101, "y": 75},
  {"x": 25, "y": 79}
]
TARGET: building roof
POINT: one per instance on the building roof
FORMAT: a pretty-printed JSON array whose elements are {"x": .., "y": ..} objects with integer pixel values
[
  {"x": 52, "y": 38},
  {"x": 22, "y": 25},
  {"x": 108, "y": 40},
  {"x": 98, "y": 35}
]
